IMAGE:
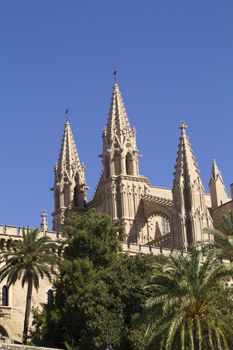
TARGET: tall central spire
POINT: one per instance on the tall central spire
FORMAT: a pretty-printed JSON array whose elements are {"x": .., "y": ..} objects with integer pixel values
[
  {"x": 118, "y": 123},
  {"x": 120, "y": 154}
]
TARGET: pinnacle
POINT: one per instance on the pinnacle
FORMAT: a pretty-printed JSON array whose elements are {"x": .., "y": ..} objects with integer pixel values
[
  {"x": 215, "y": 171},
  {"x": 186, "y": 168}
]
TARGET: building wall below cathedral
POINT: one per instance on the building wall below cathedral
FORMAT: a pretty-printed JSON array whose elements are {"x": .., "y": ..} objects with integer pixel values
[{"x": 12, "y": 315}]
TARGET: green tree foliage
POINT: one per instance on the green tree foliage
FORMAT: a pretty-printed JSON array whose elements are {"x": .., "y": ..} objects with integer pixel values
[
  {"x": 190, "y": 307},
  {"x": 93, "y": 236},
  {"x": 99, "y": 290},
  {"x": 224, "y": 235},
  {"x": 28, "y": 260}
]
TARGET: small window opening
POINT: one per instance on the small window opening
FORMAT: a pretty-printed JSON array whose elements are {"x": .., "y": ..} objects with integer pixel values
[
  {"x": 50, "y": 296},
  {"x": 107, "y": 168},
  {"x": 5, "y": 296}
]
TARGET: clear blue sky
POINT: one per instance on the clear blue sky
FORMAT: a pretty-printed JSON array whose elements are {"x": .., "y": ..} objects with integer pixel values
[{"x": 174, "y": 62}]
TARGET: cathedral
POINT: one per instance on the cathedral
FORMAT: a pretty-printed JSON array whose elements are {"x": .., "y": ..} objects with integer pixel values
[
  {"x": 154, "y": 216},
  {"x": 157, "y": 220}
]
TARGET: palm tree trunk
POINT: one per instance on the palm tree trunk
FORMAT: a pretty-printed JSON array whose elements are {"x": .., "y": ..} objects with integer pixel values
[
  {"x": 196, "y": 341},
  {"x": 27, "y": 311}
]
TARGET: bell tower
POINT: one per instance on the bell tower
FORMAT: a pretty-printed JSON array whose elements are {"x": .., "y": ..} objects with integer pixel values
[{"x": 70, "y": 189}]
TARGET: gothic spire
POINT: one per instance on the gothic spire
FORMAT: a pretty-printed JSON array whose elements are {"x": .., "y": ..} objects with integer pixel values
[
  {"x": 118, "y": 123},
  {"x": 120, "y": 153},
  {"x": 68, "y": 158},
  {"x": 70, "y": 189},
  {"x": 186, "y": 168}
]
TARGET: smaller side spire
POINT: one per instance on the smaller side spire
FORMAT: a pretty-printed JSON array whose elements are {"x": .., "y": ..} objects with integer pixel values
[
  {"x": 218, "y": 190},
  {"x": 70, "y": 189}
]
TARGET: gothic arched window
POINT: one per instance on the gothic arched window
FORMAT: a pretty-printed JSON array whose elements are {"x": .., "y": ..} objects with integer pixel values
[
  {"x": 129, "y": 164},
  {"x": 117, "y": 163},
  {"x": 57, "y": 200},
  {"x": 5, "y": 297},
  {"x": 50, "y": 296},
  {"x": 76, "y": 196},
  {"x": 107, "y": 168}
]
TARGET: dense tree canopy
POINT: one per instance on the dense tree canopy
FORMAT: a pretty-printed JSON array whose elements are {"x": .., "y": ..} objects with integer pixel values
[
  {"x": 104, "y": 297},
  {"x": 99, "y": 290}
]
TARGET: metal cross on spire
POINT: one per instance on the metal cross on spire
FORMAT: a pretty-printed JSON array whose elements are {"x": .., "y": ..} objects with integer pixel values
[
  {"x": 115, "y": 76},
  {"x": 67, "y": 114}
]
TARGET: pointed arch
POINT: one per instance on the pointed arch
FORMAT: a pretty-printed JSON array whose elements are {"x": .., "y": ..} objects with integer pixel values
[{"x": 129, "y": 164}]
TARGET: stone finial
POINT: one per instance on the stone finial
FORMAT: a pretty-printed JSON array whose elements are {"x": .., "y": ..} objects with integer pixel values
[{"x": 44, "y": 225}]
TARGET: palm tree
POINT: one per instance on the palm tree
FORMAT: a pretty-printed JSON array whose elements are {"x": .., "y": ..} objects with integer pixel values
[
  {"x": 224, "y": 235},
  {"x": 28, "y": 260},
  {"x": 189, "y": 306}
]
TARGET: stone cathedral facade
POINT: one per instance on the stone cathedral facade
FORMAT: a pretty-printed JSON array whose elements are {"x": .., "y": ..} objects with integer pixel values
[
  {"x": 155, "y": 216},
  {"x": 156, "y": 220}
]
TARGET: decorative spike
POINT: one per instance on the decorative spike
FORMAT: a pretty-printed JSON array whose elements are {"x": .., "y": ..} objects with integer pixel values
[{"x": 186, "y": 164}]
